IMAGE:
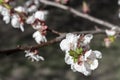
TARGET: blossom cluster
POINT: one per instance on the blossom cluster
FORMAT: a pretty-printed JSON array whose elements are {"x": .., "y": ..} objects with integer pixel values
[
  {"x": 18, "y": 16},
  {"x": 78, "y": 53},
  {"x": 28, "y": 14}
]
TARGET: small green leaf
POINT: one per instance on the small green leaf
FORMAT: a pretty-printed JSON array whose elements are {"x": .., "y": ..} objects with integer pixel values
[
  {"x": 71, "y": 52},
  {"x": 79, "y": 50},
  {"x": 76, "y": 55},
  {"x": 75, "y": 60}
]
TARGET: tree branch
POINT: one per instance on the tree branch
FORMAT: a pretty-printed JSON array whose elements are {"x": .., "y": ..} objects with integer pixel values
[
  {"x": 55, "y": 40},
  {"x": 80, "y": 14}
]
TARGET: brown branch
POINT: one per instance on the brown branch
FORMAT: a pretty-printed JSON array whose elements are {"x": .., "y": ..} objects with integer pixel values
[
  {"x": 78, "y": 13},
  {"x": 54, "y": 31},
  {"x": 23, "y": 48},
  {"x": 55, "y": 40}
]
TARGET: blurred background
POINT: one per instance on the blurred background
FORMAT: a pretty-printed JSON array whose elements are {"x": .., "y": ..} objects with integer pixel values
[{"x": 17, "y": 67}]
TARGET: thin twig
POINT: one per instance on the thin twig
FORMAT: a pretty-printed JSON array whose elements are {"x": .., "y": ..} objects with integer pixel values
[
  {"x": 55, "y": 40},
  {"x": 80, "y": 14}
]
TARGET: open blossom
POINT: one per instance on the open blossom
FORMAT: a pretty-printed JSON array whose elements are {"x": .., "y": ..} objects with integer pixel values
[
  {"x": 33, "y": 55},
  {"x": 86, "y": 63},
  {"x": 70, "y": 42},
  {"x": 39, "y": 38},
  {"x": 78, "y": 53},
  {"x": 17, "y": 22},
  {"x": 40, "y": 15},
  {"x": 37, "y": 19}
]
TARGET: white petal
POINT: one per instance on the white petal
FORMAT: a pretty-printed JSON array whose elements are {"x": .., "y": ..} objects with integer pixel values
[
  {"x": 5, "y": 12},
  {"x": 20, "y": 9},
  {"x": 35, "y": 34},
  {"x": 40, "y": 57},
  {"x": 87, "y": 54},
  {"x": 94, "y": 64},
  {"x": 98, "y": 54},
  {"x": 39, "y": 37},
  {"x": 110, "y": 32},
  {"x": 33, "y": 8},
  {"x": 1, "y": 8},
  {"x": 6, "y": 19},
  {"x": 69, "y": 43},
  {"x": 30, "y": 19},
  {"x": 38, "y": 40},
  {"x": 15, "y": 21},
  {"x": 41, "y": 15},
  {"x": 65, "y": 45},
  {"x": 68, "y": 59},
  {"x": 87, "y": 38},
  {"x": 82, "y": 68},
  {"x": 21, "y": 27}
]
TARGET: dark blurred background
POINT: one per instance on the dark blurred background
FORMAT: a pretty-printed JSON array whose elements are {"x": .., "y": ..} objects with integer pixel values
[{"x": 17, "y": 67}]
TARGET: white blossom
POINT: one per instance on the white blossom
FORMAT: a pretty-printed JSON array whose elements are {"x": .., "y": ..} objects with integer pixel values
[
  {"x": 39, "y": 37},
  {"x": 36, "y": 18},
  {"x": 88, "y": 62},
  {"x": 70, "y": 42},
  {"x": 33, "y": 56}
]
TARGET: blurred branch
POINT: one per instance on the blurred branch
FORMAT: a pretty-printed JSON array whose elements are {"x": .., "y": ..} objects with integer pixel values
[
  {"x": 55, "y": 40},
  {"x": 80, "y": 14}
]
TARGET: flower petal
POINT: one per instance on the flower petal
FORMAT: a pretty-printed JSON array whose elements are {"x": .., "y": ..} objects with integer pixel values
[
  {"x": 94, "y": 64},
  {"x": 98, "y": 54},
  {"x": 65, "y": 45},
  {"x": 68, "y": 59}
]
